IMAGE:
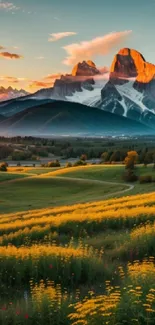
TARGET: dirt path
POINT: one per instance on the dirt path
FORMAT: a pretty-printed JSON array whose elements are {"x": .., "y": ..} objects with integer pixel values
[{"x": 130, "y": 187}]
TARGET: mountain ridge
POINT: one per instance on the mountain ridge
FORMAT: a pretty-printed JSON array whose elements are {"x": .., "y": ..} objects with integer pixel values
[
  {"x": 65, "y": 118},
  {"x": 10, "y": 93}
]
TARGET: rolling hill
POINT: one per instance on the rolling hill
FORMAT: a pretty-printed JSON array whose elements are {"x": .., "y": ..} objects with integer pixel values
[{"x": 66, "y": 118}]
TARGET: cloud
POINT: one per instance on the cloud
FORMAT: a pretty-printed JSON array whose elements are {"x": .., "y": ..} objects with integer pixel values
[
  {"x": 98, "y": 46},
  {"x": 1, "y": 48},
  {"x": 40, "y": 84},
  {"x": 57, "y": 36},
  {"x": 8, "y": 6},
  {"x": 53, "y": 76},
  {"x": 40, "y": 57},
  {"x": 7, "y": 55},
  {"x": 104, "y": 69},
  {"x": 12, "y": 8},
  {"x": 46, "y": 82},
  {"x": 10, "y": 79}
]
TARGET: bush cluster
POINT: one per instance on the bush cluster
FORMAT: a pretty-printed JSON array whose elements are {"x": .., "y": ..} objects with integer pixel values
[
  {"x": 145, "y": 179},
  {"x": 130, "y": 176},
  {"x": 53, "y": 163},
  {"x": 3, "y": 167},
  {"x": 80, "y": 163}
]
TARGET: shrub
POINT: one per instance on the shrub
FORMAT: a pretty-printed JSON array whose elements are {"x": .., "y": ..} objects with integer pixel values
[
  {"x": 145, "y": 179},
  {"x": 54, "y": 163},
  {"x": 3, "y": 167},
  {"x": 68, "y": 164},
  {"x": 43, "y": 165},
  {"x": 129, "y": 176},
  {"x": 83, "y": 157},
  {"x": 80, "y": 163}
]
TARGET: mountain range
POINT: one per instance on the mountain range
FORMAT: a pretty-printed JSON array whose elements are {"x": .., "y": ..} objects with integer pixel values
[
  {"x": 8, "y": 93},
  {"x": 123, "y": 96}
]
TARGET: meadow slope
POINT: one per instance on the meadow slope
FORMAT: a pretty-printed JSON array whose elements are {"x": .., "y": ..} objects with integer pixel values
[
  {"x": 57, "y": 255},
  {"x": 70, "y": 257}
]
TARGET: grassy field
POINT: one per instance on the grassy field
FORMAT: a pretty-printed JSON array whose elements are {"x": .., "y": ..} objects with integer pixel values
[
  {"x": 31, "y": 170},
  {"x": 32, "y": 193},
  {"x": 10, "y": 176},
  {"x": 40, "y": 171},
  {"x": 112, "y": 173},
  {"x": 102, "y": 172},
  {"x": 48, "y": 190}
]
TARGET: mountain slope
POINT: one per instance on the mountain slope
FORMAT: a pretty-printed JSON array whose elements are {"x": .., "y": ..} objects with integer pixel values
[
  {"x": 13, "y": 106},
  {"x": 64, "y": 118},
  {"x": 2, "y": 118}
]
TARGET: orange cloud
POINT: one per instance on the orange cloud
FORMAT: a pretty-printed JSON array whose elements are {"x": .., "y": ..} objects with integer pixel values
[
  {"x": 57, "y": 36},
  {"x": 97, "y": 46},
  {"x": 7, "y": 55},
  {"x": 10, "y": 79},
  {"x": 53, "y": 76},
  {"x": 46, "y": 82},
  {"x": 40, "y": 84}
]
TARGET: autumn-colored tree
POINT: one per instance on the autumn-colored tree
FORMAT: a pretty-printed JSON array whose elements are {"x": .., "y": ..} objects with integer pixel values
[
  {"x": 131, "y": 159},
  {"x": 3, "y": 167}
]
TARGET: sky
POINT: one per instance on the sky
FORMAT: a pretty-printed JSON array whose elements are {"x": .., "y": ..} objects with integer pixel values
[{"x": 42, "y": 39}]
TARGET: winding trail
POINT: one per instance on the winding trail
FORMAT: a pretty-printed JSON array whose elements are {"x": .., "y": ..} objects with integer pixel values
[{"x": 130, "y": 187}]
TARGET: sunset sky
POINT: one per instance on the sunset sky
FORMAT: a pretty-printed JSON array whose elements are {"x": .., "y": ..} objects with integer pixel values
[{"x": 41, "y": 39}]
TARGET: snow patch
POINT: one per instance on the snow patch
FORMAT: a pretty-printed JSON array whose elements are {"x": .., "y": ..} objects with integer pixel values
[{"x": 89, "y": 97}]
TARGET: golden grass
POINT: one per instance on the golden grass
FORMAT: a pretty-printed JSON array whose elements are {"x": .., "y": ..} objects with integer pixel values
[
  {"x": 122, "y": 209},
  {"x": 137, "y": 279},
  {"x": 36, "y": 251},
  {"x": 19, "y": 169}
]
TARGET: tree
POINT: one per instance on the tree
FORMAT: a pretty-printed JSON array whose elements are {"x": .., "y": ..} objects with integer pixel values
[
  {"x": 116, "y": 156},
  {"x": 154, "y": 161},
  {"x": 129, "y": 176},
  {"x": 54, "y": 163},
  {"x": 148, "y": 159},
  {"x": 83, "y": 157},
  {"x": 5, "y": 151},
  {"x": 131, "y": 159},
  {"x": 3, "y": 167},
  {"x": 104, "y": 156},
  {"x": 68, "y": 165}
]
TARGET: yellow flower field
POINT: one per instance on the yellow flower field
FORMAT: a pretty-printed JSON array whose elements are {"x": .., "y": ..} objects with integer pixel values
[{"x": 47, "y": 251}]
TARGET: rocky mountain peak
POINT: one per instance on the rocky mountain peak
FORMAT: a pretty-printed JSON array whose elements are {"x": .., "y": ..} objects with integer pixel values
[
  {"x": 85, "y": 69},
  {"x": 129, "y": 63}
]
